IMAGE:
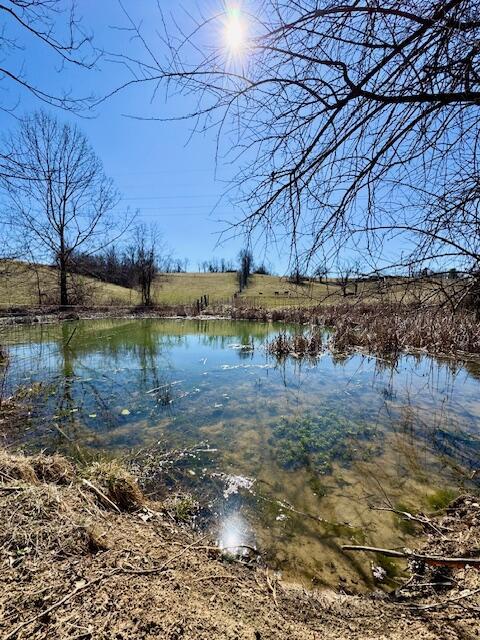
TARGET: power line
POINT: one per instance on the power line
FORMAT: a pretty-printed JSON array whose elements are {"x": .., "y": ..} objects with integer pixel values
[{"x": 174, "y": 197}]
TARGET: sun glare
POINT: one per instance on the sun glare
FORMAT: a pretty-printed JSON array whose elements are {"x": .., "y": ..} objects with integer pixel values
[{"x": 235, "y": 32}]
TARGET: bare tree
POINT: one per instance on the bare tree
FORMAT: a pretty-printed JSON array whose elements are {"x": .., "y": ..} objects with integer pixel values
[
  {"x": 54, "y": 26},
  {"x": 246, "y": 267},
  {"x": 146, "y": 254},
  {"x": 344, "y": 276},
  {"x": 354, "y": 120},
  {"x": 59, "y": 196}
]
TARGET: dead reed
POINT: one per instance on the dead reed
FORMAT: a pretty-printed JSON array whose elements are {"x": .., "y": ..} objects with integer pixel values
[
  {"x": 383, "y": 329},
  {"x": 299, "y": 345}
]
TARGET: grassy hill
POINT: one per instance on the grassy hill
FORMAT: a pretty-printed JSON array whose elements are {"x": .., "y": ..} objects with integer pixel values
[
  {"x": 23, "y": 284},
  {"x": 266, "y": 290},
  {"x": 185, "y": 288}
]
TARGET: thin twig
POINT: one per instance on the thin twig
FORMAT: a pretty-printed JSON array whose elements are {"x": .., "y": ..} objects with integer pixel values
[
  {"x": 433, "y": 560},
  {"x": 423, "y": 520},
  {"x": 272, "y": 588},
  {"x": 101, "y": 495}
]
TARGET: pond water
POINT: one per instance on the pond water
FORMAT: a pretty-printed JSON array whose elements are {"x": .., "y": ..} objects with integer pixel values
[{"x": 291, "y": 455}]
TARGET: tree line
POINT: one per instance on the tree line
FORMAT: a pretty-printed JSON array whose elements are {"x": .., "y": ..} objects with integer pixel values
[{"x": 362, "y": 122}]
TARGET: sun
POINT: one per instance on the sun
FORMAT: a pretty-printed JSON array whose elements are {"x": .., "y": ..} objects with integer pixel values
[{"x": 235, "y": 31}]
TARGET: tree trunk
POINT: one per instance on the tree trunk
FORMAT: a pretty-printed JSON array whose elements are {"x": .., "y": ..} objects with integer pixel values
[{"x": 63, "y": 282}]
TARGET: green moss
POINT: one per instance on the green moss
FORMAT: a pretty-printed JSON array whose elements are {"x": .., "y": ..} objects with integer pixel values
[
  {"x": 317, "y": 486},
  {"x": 316, "y": 443},
  {"x": 182, "y": 508},
  {"x": 388, "y": 565},
  {"x": 441, "y": 498}
]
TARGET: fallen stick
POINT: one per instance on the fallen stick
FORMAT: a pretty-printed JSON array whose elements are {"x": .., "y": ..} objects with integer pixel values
[
  {"x": 433, "y": 560},
  {"x": 101, "y": 495}
]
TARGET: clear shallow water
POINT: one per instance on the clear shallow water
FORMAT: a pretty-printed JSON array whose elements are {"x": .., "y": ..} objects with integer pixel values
[{"x": 313, "y": 444}]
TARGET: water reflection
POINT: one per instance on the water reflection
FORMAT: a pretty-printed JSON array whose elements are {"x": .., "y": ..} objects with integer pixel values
[{"x": 324, "y": 440}]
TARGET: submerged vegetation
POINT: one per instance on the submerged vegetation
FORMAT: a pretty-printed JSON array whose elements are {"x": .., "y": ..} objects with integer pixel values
[{"x": 316, "y": 443}]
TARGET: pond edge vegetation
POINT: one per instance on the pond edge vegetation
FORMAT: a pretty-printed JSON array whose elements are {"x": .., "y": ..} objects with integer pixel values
[{"x": 380, "y": 329}]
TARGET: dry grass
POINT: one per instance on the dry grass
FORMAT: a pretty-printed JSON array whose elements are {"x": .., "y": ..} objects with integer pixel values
[
  {"x": 391, "y": 329},
  {"x": 185, "y": 288},
  {"x": 116, "y": 483},
  {"x": 71, "y": 568},
  {"x": 299, "y": 345},
  {"x": 22, "y": 284},
  {"x": 272, "y": 292},
  {"x": 53, "y": 469},
  {"x": 384, "y": 329}
]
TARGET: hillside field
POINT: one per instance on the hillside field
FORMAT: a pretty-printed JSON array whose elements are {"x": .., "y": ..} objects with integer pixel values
[{"x": 22, "y": 284}]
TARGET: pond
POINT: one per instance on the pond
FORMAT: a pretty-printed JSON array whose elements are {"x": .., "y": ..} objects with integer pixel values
[{"x": 290, "y": 456}]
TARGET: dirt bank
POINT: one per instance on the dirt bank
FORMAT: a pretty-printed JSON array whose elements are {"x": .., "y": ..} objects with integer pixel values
[{"x": 85, "y": 556}]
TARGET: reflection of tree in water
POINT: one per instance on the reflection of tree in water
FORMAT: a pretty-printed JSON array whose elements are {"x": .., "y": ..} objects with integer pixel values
[
  {"x": 93, "y": 401},
  {"x": 429, "y": 415},
  {"x": 126, "y": 359}
]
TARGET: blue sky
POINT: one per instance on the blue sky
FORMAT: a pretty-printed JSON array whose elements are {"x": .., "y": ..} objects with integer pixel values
[{"x": 174, "y": 184}]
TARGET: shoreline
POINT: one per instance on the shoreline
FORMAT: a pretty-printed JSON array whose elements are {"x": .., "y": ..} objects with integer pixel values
[
  {"x": 365, "y": 329},
  {"x": 84, "y": 549}
]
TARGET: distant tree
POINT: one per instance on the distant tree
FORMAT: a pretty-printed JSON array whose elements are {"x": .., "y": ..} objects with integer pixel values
[
  {"x": 296, "y": 276},
  {"x": 321, "y": 272},
  {"x": 145, "y": 257},
  {"x": 345, "y": 273},
  {"x": 58, "y": 195},
  {"x": 262, "y": 270},
  {"x": 245, "y": 269},
  {"x": 453, "y": 274}
]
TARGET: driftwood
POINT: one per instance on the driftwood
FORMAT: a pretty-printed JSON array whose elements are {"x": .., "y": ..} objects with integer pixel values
[{"x": 428, "y": 559}]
